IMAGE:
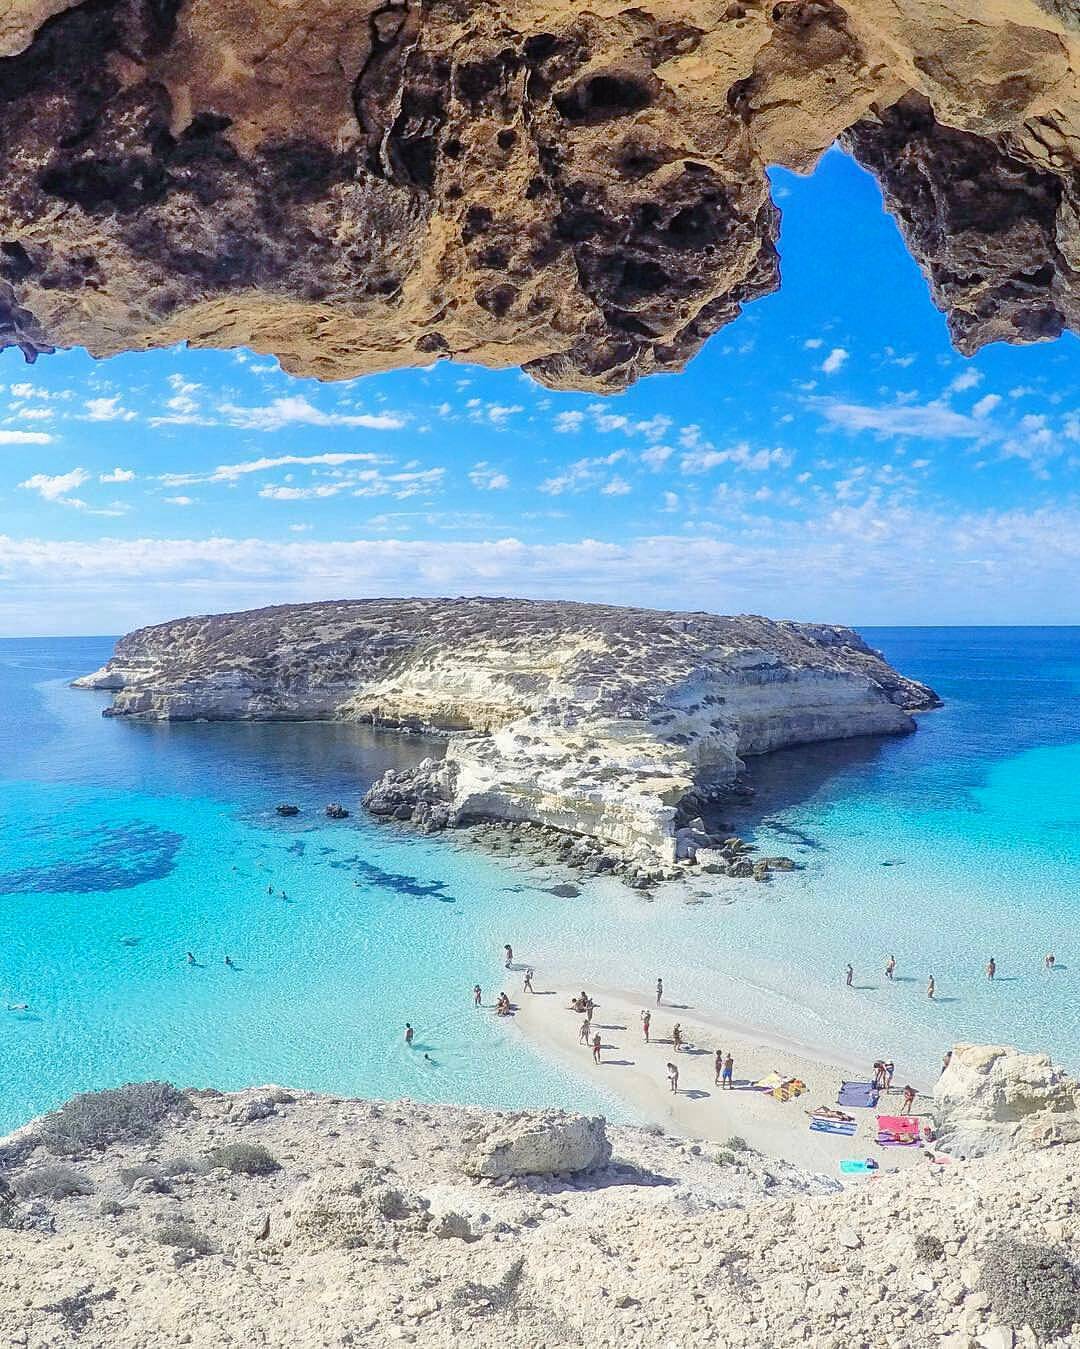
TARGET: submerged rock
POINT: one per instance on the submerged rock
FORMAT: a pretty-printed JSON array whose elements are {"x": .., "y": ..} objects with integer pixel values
[{"x": 287, "y": 809}]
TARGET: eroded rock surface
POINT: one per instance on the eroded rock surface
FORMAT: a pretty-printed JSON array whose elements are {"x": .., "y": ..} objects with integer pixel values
[
  {"x": 992, "y": 1099},
  {"x": 538, "y": 1144},
  {"x": 367, "y": 1233},
  {"x": 582, "y": 191},
  {"x": 588, "y": 718}
]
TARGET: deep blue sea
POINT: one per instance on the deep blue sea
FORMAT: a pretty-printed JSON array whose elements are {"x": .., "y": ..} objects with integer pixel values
[{"x": 124, "y": 846}]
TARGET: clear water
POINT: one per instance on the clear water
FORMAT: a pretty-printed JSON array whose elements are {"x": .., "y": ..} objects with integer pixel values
[{"x": 123, "y": 846}]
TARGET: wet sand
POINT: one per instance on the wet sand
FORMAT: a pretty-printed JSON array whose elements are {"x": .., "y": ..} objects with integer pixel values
[{"x": 637, "y": 1073}]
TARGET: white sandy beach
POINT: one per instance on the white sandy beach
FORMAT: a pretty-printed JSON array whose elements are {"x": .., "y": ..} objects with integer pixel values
[{"x": 636, "y": 1072}]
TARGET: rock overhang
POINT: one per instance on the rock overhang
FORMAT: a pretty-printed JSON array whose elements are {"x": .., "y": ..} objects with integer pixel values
[{"x": 579, "y": 193}]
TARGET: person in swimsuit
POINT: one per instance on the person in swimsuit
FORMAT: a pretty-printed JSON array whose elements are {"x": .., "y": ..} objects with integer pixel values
[
  {"x": 528, "y": 988},
  {"x": 596, "y": 1048},
  {"x": 849, "y": 975},
  {"x": 888, "y": 1075},
  {"x": 191, "y": 958},
  {"x": 676, "y": 1036},
  {"x": 726, "y": 1076},
  {"x": 659, "y": 991},
  {"x": 228, "y": 961},
  {"x": 509, "y": 950},
  {"x": 583, "y": 1033},
  {"x": 408, "y": 1033},
  {"x": 991, "y": 968},
  {"x": 890, "y": 968},
  {"x": 673, "y": 1078},
  {"x": 718, "y": 1066},
  {"x": 909, "y": 1100},
  {"x": 1049, "y": 962},
  {"x": 476, "y": 995},
  {"x": 931, "y": 987},
  {"x": 646, "y": 1021}
]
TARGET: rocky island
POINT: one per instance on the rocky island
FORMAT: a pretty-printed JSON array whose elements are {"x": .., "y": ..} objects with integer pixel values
[
  {"x": 153, "y": 1216},
  {"x": 611, "y": 724}
]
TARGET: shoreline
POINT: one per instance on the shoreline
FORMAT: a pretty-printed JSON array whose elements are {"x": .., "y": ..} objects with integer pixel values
[{"x": 636, "y": 1074}]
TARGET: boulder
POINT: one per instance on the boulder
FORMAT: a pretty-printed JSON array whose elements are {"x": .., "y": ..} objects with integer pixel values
[
  {"x": 992, "y": 1098},
  {"x": 334, "y": 811},
  {"x": 330, "y": 1212},
  {"x": 536, "y": 1143},
  {"x": 286, "y": 808}
]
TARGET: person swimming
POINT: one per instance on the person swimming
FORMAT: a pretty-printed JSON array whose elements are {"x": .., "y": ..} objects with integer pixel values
[
  {"x": 229, "y": 962},
  {"x": 18, "y": 1006},
  {"x": 191, "y": 959}
]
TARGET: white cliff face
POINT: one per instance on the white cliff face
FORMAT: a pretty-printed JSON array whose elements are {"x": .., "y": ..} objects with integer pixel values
[
  {"x": 992, "y": 1098},
  {"x": 589, "y": 718}
]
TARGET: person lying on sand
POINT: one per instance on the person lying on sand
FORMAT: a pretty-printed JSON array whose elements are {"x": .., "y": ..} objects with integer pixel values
[{"x": 827, "y": 1112}]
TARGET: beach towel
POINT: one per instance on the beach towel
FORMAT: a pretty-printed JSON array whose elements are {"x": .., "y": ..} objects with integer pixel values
[
  {"x": 792, "y": 1087},
  {"x": 833, "y": 1126},
  {"x": 769, "y": 1083},
  {"x": 897, "y": 1131},
  {"x": 858, "y": 1094},
  {"x": 856, "y": 1166}
]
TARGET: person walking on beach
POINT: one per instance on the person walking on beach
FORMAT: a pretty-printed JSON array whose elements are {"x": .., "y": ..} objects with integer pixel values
[
  {"x": 583, "y": 1033},
  {"x": 646, "y": 1021},
  {"x": 909, "y": 1100},
  {"x": 849, "y": 975},
  {"x": 726, "y": 1083},
  {"x": 659, "y": 991},
  {"x": 408, "y": 1033},
  {"x": 477, "y": 996},
  {"x": 527, "y": 987},
  {"x": 888, "y": 1075},
  {"x": 676, "y": 1036},
  {"x": 673, "y": 1078},
  {"x": 930, "y": 988},
  {"x": 509, "y": 950},
  {"x": 718, "y": 1066},
  {"x": 890, "y": 968},
  {"x": 991, "y": 968},
  {"x": 596, "y": 1048}
]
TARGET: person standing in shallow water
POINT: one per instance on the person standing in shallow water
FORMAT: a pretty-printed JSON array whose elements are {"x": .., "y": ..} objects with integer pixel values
[
  {"x": 477, "y": 996},
  {"x": 931, "y": 988},
  {"x": 849, "y": 975},
  {"x": 890, "y": 968},
  {"x": 509, "y": 952},
  {"x": 659, "y": 991},
  {"x": 991, "y": 968},
  {"x": 408, "y": 1033}
]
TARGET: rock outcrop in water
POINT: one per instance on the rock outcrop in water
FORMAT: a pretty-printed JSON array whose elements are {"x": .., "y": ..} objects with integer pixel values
[
  {"x": 581, "y": 191},
  {"x": 596, "y": 720},
  {"x": 297, "y": 1221}
]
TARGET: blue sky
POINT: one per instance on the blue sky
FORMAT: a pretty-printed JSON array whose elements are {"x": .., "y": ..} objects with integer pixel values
[{"x": 828, "y": 456}]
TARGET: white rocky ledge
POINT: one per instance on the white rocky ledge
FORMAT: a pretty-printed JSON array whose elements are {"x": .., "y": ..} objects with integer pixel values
[{"x": 601, "y": 721}]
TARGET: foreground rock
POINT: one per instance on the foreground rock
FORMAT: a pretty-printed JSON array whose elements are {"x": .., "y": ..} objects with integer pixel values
[
  {"x": 533, "y": 1144},
  {"x": 579, "y": 190},
  {"x": 298, "y": 1221},
  {"x": 993, "y": 1099},
  {"x": 617, "y": 724}
]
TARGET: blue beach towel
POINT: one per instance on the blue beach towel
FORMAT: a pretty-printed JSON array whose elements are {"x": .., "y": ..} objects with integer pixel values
[
  {"x": 833, "y": 1126},
  {"x": 853, "y": 1166},
  {"x": 857, "y": 1094}
]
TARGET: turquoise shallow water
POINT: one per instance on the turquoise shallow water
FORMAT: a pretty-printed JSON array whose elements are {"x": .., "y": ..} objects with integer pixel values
[{"x": 123, "y": 846}]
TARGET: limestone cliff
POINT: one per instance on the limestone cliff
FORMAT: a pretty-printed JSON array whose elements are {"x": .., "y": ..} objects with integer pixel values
[
  {"x": 580, "y": 190},
  {"x": 594, "y": 719}
]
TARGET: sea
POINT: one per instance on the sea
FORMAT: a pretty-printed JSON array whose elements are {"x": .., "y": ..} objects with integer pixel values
[{"x": 124, "y": 846}]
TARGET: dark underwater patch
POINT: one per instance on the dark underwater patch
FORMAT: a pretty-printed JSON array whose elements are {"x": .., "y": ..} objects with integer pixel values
[
  {"x": 110, "y": 857},
  {"x": 395, "y": 880}
]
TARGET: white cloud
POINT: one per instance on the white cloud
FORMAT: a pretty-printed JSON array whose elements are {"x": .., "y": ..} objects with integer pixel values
[
  {"x": 25, "y": 414},
  {"x": 180, "y": 501},
  {"x": 966, "y": 379},
  {"x": 57, "y": 487},
  {"x": 106, "y": 410},
  {"x": 985, "y": 405},
  {"x": 741, "y": 456},
  {"x": 656, "y": 456},
  {"x": 233, "y": 472},
  {"x": 928, "y": 420},
  {"x": 671, "y": 502},
  {"x": 581, "y": 475},
  {"x": 488, "y": 479},
  {"x": 8, "y": 437},
  {"x": 296, "y": 410},
  {"x": 117, "y": 475},
  {"x": 812, "y": 343},
  {"x": 365, "y": 483},
  {"x": 835, "y": 359},
  {"x": 616, "y": 487}
]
